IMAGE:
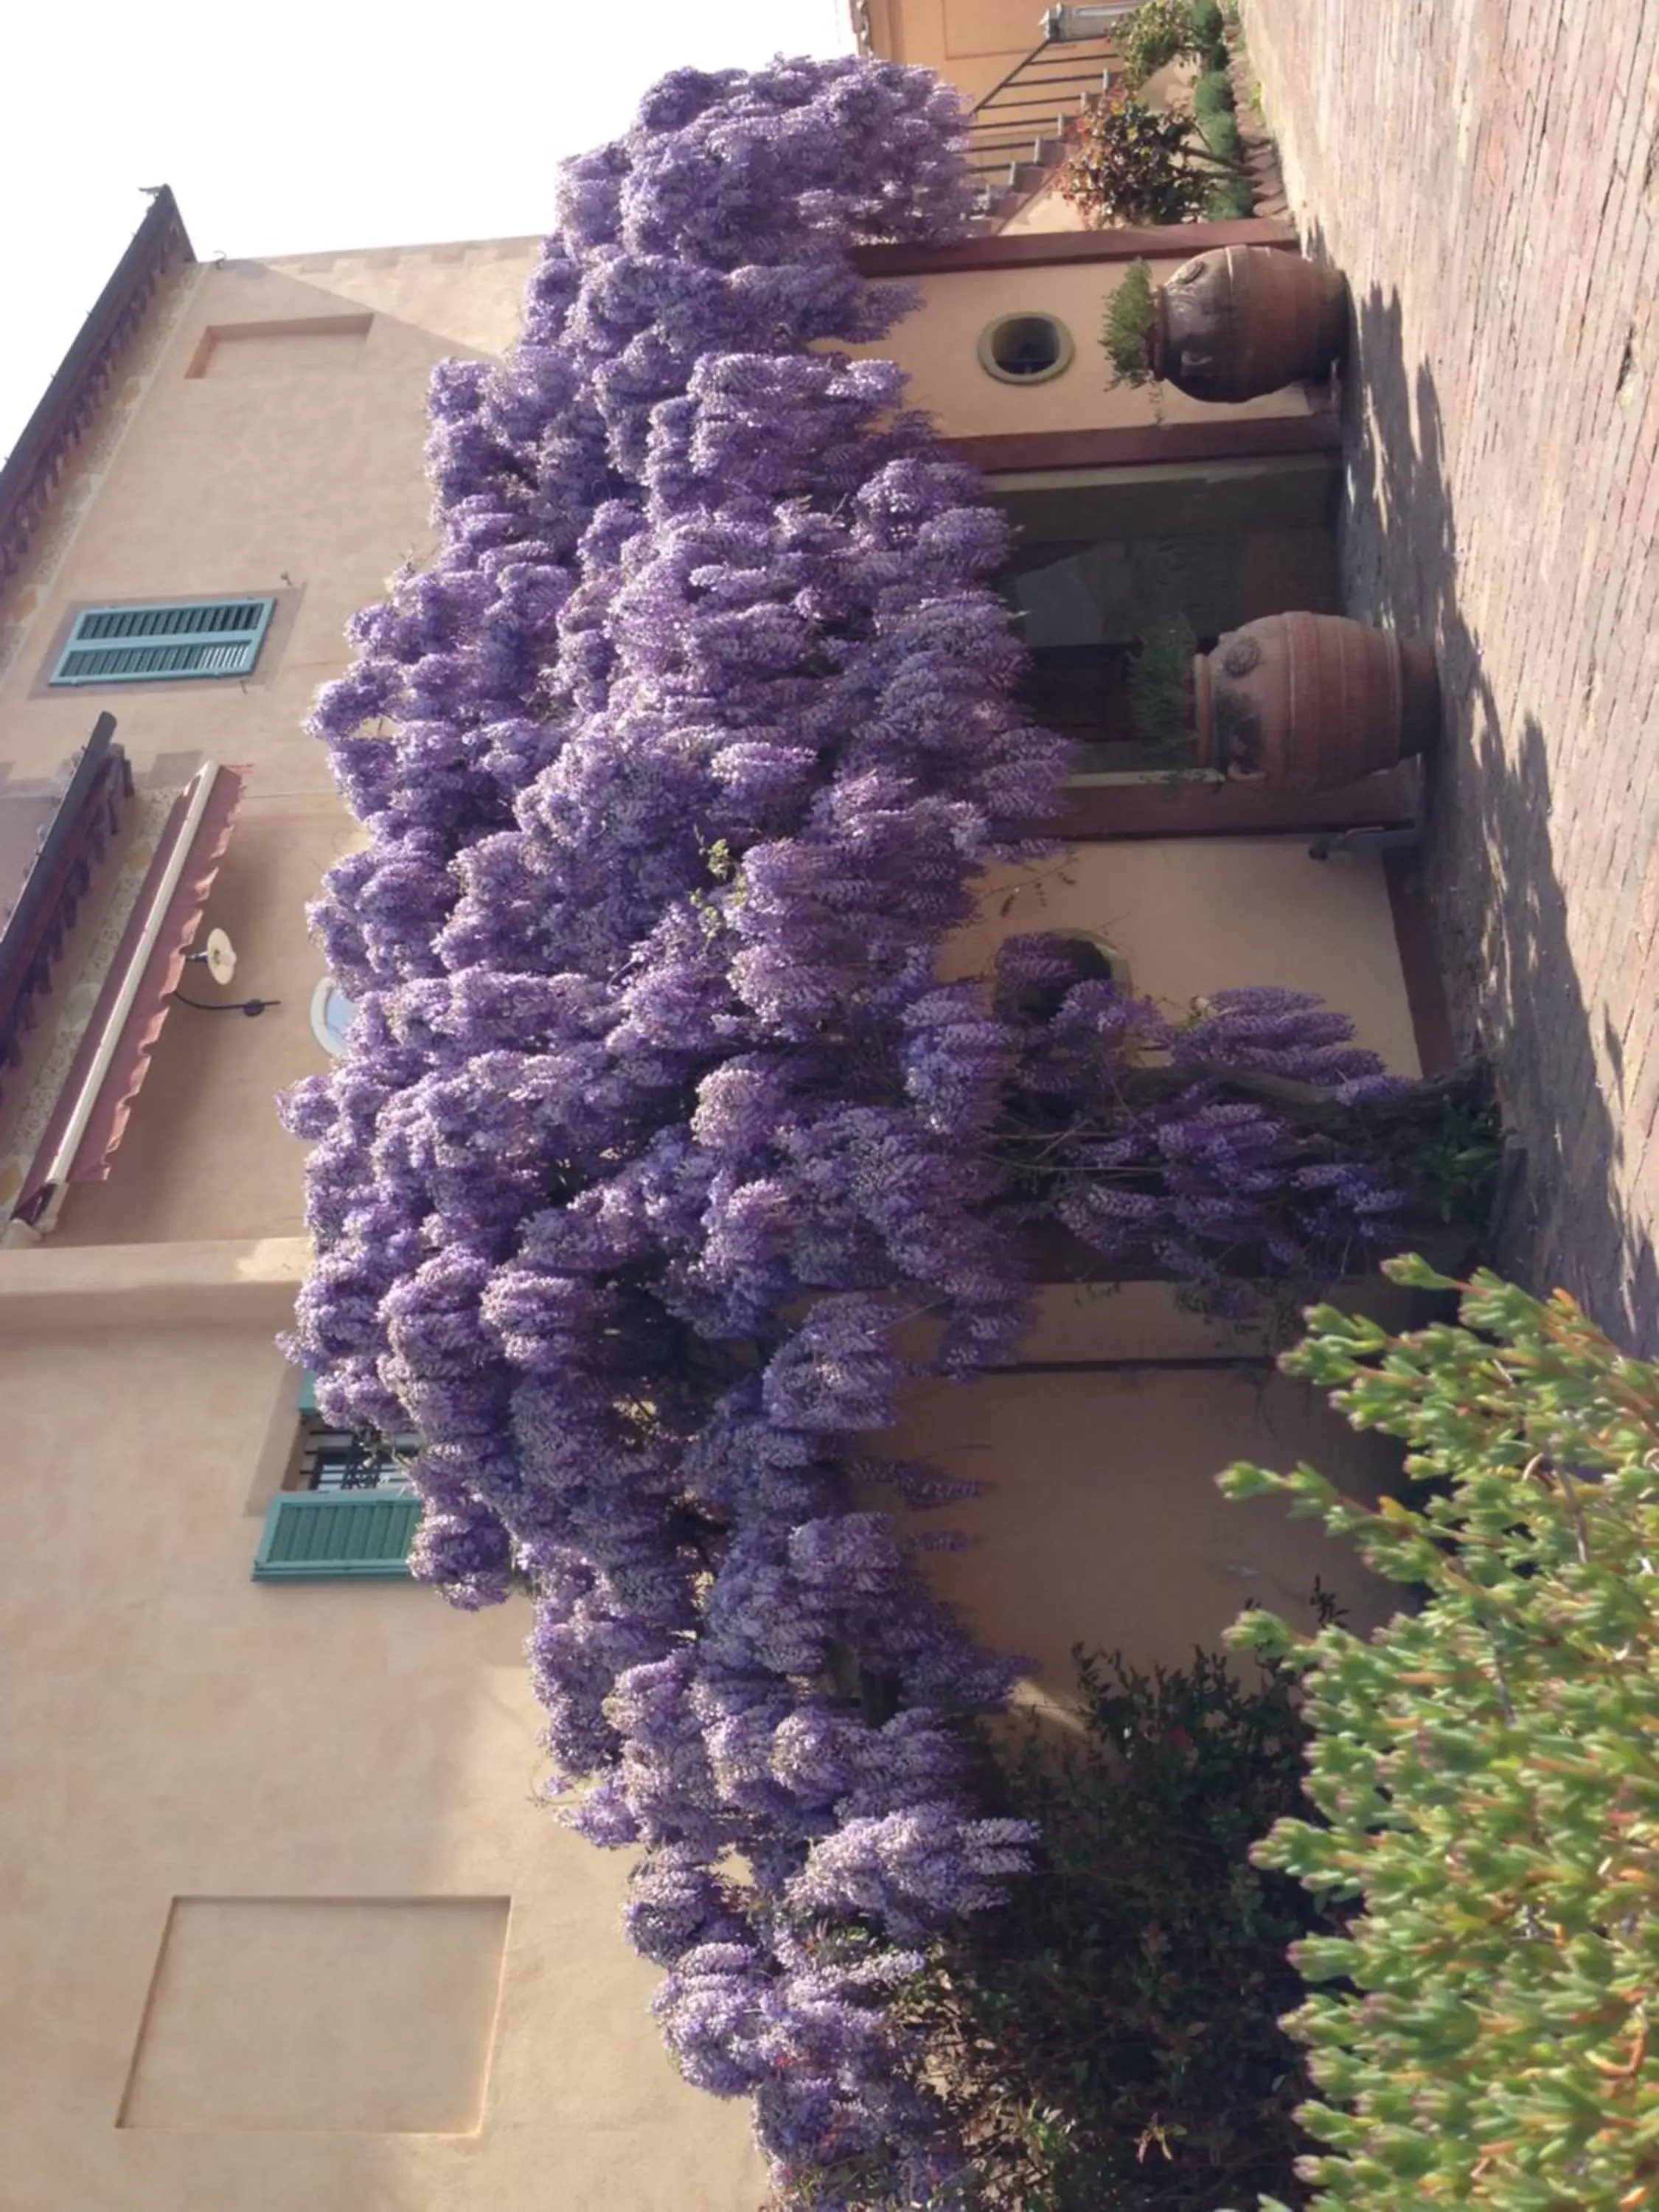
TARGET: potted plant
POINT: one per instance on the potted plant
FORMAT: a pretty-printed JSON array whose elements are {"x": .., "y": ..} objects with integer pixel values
[
  {"x": 1126, "y": 330},
  {"x": 1161, "y": 693},
  {"x": 1313, "y": 702},
  {"x": 1233, "y": 323}
]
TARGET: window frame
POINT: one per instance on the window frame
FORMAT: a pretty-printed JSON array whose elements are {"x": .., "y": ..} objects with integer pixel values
[
  {"x": 246, "y": 646},
  {"x": 1058, "y": 367}
]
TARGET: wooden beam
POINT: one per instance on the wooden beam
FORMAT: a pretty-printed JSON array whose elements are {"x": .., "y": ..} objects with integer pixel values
[
  {"x": 1230, "y": 437},
  {"x": 1050, "y": 249},
  {"x": 1100, "y": 812}
]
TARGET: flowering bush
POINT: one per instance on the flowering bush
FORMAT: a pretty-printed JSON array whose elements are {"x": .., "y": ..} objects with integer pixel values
[
  {"x": 1129, "y": 163},
  {"x": 1112, "y": 2037},
  {"x": 1485, "y": 1771},
  {"x": 678, "y": 763},
  {"x": 1159, "y": 31},
  {"x": 1252, "y": 1139}
]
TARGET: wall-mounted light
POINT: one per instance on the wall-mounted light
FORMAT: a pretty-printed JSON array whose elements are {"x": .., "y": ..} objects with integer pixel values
[{"x": 218, "y": 956}]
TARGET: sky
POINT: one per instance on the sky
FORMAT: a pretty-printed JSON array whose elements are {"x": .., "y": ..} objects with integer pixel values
[{"x": 318, "y": 123}]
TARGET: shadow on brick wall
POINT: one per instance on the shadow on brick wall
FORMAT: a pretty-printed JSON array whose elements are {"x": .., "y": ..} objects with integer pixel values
[{"x": 1499, "y": 906}]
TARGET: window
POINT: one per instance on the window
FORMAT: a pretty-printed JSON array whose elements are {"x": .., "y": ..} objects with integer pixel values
[
  {"x": 164, "y": 643},
  {"x": 1081, "y": 956},
  {"x": 1025, "y": 349},
  {"x": 352, "y": 1513},
  {"x": 1086, "y": 607},
  {"x": 330, "y": 1015}
]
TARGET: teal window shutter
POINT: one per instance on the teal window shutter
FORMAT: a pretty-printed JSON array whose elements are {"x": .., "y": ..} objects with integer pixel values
[
  {"x": 164, "y": 643},
  {"x": 308, "y": 1391},
  {"x": 318, "y": 1536}
]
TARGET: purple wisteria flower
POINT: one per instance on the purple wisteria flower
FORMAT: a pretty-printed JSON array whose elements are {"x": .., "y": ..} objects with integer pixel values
[{"x": 678, "y": 762}]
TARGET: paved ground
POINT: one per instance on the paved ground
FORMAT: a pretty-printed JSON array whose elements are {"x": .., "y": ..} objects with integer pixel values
[{"x": 1487, "y": 174}]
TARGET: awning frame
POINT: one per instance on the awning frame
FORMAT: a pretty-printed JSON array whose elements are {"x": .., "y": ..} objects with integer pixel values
[{"x": 113, "y": 1056}]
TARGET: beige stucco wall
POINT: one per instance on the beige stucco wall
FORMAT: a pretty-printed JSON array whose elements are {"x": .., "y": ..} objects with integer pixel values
[
  {"x": 299, "y": 473},
  {"x": 1195, "y": 915},
  {"x": 971, "y": 43},
  {"x": 176, "y": 1731},
  {"x": 938, "y": 349},
  {"x": 1100, "y": 1523},
  {"x": 185, "y": 1751},
  {"x": 1046, "y": 210}
]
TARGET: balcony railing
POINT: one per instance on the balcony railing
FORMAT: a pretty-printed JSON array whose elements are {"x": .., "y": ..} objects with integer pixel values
[
  {"x": 339, "y": 1460},
  {"x": 1017, "y": 135}
]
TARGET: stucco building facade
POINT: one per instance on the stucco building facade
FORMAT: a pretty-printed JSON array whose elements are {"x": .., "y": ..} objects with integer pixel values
[{"x": 280, "y": 1923}]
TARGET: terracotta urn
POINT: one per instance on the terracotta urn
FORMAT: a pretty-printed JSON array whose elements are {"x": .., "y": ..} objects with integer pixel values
[
  {"x": 1313, "y": 702},
  {"x": 1244, "y": 320}
]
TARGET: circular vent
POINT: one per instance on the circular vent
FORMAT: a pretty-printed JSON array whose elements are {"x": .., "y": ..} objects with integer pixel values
[{"x": 1025, "y": 349}]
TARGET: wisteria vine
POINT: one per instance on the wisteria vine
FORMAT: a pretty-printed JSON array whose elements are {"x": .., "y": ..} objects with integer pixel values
[{"x": 678, "y": 762}]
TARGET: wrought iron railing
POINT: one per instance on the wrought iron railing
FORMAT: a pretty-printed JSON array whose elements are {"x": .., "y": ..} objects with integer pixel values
[
  {"x": 341, "y": 1459},
  {"x": 1017, "y": 135}
]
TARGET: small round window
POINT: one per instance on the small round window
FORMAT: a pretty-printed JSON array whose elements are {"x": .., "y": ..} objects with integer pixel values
[
  {"x": 331, "y": 1015},
  {"x": 1025, "y": 349}
]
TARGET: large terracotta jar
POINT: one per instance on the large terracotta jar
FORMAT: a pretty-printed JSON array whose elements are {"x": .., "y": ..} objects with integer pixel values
[
  {"x": 1313, "y": 702},
  {"x": 1243, "y": 320}
]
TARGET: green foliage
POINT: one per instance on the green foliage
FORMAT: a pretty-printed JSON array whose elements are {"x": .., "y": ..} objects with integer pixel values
[
  {"x": 1110, "y": 2039},
  {"x": 1219, "y": 131},
  {"x": 1231, "y": 201},
  {"x": 1209, "y": 25},
  {"x": 1129, "y": 164},
  {"x": 1457, "y": 1161},
  {"x": 1159, "y": 31},
  {"x": 1212, "y": 93},
  {"x": 1160, "y": 687},
  {"x": 1487, "y": 1769},
  {"x": 1126, "y": 324}
]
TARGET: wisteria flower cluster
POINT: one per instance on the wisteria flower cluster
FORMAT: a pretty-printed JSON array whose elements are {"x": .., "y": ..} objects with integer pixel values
[
  {"x": 1224, "y": 1147},
  {"x": 678, "y": 762}
]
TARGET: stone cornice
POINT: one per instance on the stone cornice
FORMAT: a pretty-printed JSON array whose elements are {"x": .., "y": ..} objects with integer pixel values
[{"x": 43, "y": 454}]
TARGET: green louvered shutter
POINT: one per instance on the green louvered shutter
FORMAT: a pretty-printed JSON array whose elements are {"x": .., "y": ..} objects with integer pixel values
[
  {"x": 313, "y": 1536},
  {"x": 145, "y": 645}
]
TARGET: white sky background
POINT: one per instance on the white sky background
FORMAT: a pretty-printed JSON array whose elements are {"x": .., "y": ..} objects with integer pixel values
[{"x": 318, "y": 123}]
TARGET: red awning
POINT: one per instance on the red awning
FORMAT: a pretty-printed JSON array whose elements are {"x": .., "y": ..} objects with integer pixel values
[{"x": 114, "y": 1058}]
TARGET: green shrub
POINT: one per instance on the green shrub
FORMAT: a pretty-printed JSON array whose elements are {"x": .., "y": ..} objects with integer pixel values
[
  {"x": 1160, "y": 686},
  {"x": 1110, "y": 2039},
  {"x": 1159, "y": 31},
  {"x": 1230, "y": 202},
  {"x": 1486, "y": 1769},
  {"x": 1131, "y": 164},
  {"x": 1209, "y": 26},
  {"x": 1213, "y": 94},
  {"x": 1219, "y": 131},
  {"x": 1125, "y": 326}
]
